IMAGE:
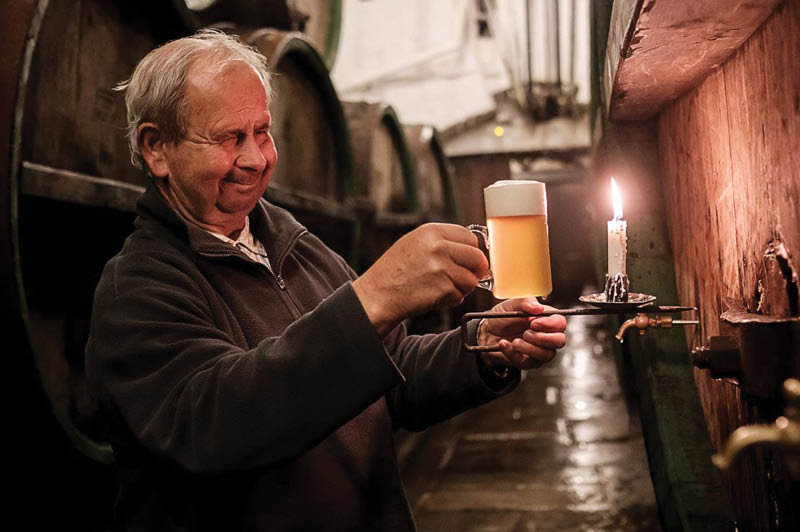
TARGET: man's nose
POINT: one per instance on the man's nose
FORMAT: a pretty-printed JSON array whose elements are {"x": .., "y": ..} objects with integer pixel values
[{"x": 250, "y": 157}]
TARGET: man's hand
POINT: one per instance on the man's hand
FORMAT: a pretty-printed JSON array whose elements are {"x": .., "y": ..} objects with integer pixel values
[
  {"x": 525, "y": 343},
  {"x": 433, "y": 265}
]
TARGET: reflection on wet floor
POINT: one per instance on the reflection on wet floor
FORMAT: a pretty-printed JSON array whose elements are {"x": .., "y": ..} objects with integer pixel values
[{"x": 559, "y": 453}]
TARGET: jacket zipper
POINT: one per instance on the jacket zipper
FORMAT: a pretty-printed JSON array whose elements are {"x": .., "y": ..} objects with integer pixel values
[
  {"x": 274, "y": 271},
  {"x": 286, "y": 295},
  {"x": 279, "y": 266}
]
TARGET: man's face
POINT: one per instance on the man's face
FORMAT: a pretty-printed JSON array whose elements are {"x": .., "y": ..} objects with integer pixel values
[{"x": 218, "y": 171}]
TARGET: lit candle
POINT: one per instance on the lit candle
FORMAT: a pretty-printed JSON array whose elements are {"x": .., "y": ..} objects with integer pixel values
[{"x": 617, "y": 236}]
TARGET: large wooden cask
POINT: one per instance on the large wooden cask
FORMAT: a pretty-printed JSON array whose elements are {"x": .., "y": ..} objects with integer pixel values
[
  {"x": 70, "y": 160},
  {"x": 314, "y": 177},
  {"x": 66, "y": 206},
  {"x": 385, "y": 175},
  {"x": 319, "y": 20},
  {"x": 702, "y": 137},
  {"x": 437, "y": 195},
  {"x": 730, "y": 162}
]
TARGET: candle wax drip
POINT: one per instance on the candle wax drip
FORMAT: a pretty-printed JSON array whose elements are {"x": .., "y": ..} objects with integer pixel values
[{"x": 617, "y": 288}]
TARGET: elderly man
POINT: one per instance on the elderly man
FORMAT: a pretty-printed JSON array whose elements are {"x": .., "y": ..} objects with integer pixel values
[{"x": 251, "y": 380}]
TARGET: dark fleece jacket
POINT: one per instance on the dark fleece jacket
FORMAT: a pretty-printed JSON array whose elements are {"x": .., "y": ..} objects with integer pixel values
[{"x": 239, "y": 399}]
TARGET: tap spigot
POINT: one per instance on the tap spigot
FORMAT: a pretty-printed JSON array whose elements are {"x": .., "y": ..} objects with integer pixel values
[
  {"x": 643, "y": 321},
  {"x": 784, "y": 433}
]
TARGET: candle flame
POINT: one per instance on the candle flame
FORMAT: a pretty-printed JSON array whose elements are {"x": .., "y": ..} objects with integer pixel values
[{"x": 616, "y": 199}]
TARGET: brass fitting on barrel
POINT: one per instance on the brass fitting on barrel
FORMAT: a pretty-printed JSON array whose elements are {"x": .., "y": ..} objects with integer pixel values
[
  {"x": 642, "y": 322},
  {"x": 784, "y": 433},
  {"x": 721, "y": 357}
]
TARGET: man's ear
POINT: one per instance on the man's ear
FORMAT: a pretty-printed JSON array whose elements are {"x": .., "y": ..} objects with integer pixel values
[{"x": 152, "y": 147}]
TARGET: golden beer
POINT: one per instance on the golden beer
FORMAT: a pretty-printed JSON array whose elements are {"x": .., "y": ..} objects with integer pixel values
[
  {"x": 519, "y": 250},
  {"x": 519, "y": 253}
]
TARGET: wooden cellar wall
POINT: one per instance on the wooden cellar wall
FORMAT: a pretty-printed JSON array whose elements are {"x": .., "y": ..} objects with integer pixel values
[{"x": 730, "y": 162}]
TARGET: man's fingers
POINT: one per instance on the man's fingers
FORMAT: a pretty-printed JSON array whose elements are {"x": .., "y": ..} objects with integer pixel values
[
  {"x": 538, "y": 353},
  {"x": 552, "y": 324},
  {"x": 457, "y": 233},
  {"x": 536, "y": 341},
  {"x": 531, "y": 306},
  {"x": 545, "y": 340},
  {"x": 517, "y": 357},
  {"x": 463, "y": 280},
  {"x": 468, "y": 257},
  {"x": 520, "y": 349}
]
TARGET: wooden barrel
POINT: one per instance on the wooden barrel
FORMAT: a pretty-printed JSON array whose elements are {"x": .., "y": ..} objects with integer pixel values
[
  {"x": 385, "y": 172},
  {"x": 385, "y": 175},
  {"x": 309, "y": 126},
  {"x": 66, "y": 208},
  {"x": 314, "y": 177},
  {"x": 438, "y": 202},
  {"x": 319, "y": 20},
  {"x": 254, "y": 13},
  {"x": 69, "y": 157},
  {"x": 438, "y": 198},
  {"x": 73, "y": 118}
]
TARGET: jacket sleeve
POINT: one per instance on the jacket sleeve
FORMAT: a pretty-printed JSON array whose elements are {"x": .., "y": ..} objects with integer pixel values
[
  {"x": 442, "y": 378},
  {"x": 189, "y": 394}
]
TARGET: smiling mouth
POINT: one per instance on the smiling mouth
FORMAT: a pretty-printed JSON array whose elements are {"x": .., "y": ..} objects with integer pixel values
[{"x": 243, "y": 181}]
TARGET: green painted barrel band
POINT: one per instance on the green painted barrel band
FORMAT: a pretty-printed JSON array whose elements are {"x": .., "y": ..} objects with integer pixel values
[
  {"x": 297, "y": 48},
  {"x": 332, "y": 33}
]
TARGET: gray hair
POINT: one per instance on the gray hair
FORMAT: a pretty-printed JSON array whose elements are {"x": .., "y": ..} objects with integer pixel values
[{"x": 156, "y": 92}]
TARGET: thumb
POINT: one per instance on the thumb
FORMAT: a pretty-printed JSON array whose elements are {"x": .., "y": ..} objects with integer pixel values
[
  {"x": 531, "y": 305},
  {"x": 528, "y": 304}
]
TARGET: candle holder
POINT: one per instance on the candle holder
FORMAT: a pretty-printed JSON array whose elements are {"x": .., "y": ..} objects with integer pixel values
[
  {"x": 632, "y": 300},
  {"x": 617, "y": 288}
]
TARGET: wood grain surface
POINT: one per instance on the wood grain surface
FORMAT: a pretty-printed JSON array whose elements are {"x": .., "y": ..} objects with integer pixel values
[
  {"x": 657, "y": 50},
  {"x": 730, "y": 157},
  {"x": 384, "y": 165}
]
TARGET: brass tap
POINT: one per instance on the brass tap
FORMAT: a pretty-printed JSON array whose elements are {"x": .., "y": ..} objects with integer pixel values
[
  {"x": 643, "y": 321},
  {"x": 784, "y": 433}
]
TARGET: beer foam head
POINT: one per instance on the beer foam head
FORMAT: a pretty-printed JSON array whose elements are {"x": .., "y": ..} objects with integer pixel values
[{"x": 515, "y": 198}]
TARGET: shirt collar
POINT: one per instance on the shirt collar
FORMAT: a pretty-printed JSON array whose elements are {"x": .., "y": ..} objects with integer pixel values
[
  {"x": 274, "y": 227},
  {"x": 245, "y": 236}
]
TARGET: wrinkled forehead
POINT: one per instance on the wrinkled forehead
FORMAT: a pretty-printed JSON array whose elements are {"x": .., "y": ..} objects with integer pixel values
[
  {"x": 211, "y": 89},
  {"x": 209, "y": 67}
]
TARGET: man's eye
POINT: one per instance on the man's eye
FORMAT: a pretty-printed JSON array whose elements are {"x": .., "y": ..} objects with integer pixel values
[
  {"x": 261, "y": 135},
  {"x": 228, "y": 142}
]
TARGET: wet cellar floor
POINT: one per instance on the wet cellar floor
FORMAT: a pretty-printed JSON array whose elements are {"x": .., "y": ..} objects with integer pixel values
[{"x": 563, "y": 453}]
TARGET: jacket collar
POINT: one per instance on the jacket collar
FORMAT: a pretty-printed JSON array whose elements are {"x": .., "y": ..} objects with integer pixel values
[{"x": 274, "y": 227}]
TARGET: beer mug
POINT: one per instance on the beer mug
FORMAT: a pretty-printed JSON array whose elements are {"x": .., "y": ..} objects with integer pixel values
[{"x": 516, "y": 237}]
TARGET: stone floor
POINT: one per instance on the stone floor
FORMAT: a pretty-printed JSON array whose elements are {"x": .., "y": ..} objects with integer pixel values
[{"x": 562, "y": 452}]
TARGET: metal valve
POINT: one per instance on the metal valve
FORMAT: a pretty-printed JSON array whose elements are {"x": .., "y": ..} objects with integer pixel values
[
  {"x": 643, "y": 321},
  {"x": 720, "y": 356}
]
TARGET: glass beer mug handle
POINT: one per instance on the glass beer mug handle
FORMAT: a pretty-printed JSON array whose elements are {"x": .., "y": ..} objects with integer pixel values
[{"x": 488, "y": 281}]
